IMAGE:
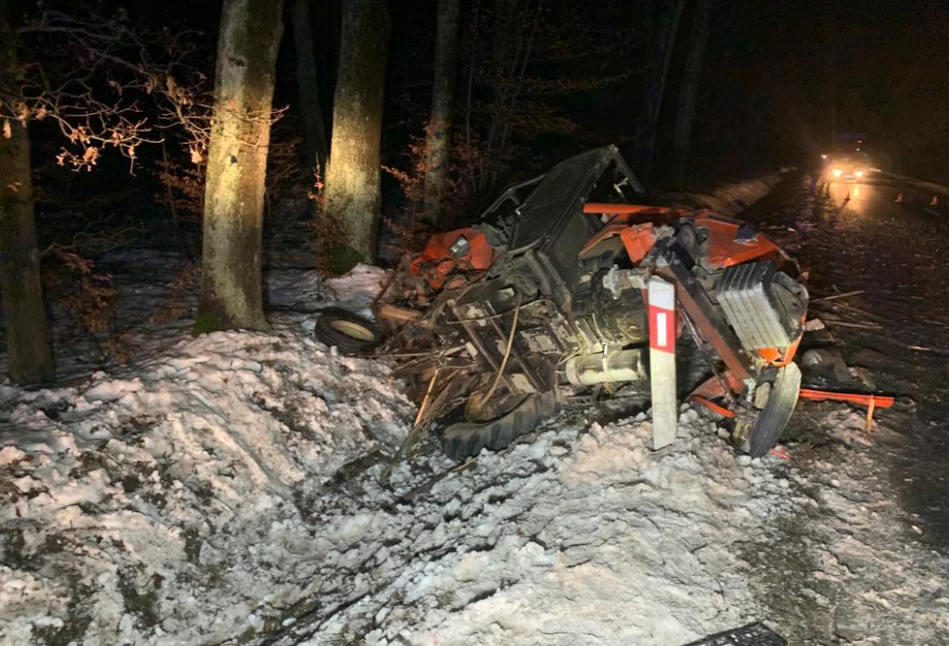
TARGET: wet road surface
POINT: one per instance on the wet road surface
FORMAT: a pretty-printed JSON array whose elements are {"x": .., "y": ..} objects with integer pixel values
[{"x": 894, "y": 333}]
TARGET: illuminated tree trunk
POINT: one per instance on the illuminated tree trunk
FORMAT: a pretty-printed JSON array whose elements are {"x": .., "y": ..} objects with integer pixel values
[
  {"x": 308, "y": 84},
  {"x": 438, "y": 136},
  {"x": 664, "y": 35},
  {"x": 685, "y": 116},
  {"x": 237, "y": 165},
  {"x": 29, "y": 357},
  {"x": 352, "y": 192}
]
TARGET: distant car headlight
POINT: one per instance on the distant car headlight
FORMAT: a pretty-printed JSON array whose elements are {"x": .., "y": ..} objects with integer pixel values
[
  {"x": 838, "y": 172},
  {"x": 859, "y": 173}
]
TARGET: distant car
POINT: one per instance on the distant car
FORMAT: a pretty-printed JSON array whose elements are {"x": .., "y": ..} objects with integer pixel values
[{"x": 847, "y": 167}]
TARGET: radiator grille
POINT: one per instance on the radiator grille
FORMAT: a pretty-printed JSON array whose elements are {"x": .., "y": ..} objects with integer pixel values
[{"x": 763, "y": 305}]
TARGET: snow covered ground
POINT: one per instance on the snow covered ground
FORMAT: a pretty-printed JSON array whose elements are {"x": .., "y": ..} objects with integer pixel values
[
  {"x": 236, "y": 488},
  {"x": 164, "y": 507}
]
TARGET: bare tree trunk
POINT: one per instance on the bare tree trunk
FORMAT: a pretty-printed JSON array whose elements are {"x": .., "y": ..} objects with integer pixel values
[
  {"x": 352, "y": 194},
  {"x": 438, "y": 136},
  {"x": 28, "y": 352},
  {"x": 328, "y": 27},
  {"x": 237, "y": 166},
  {"x": 685, "y": 115},
  {"x": 29, "y": 357},
  {"x": 667, "y": 25},
  {"x": 308, "y": 84}
]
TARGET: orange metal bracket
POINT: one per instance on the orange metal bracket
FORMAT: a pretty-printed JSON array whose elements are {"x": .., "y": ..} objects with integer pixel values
[
  {"x": 603, "y": 208},
  {"x": 864, "y": 399},
  {"x": 712, "y": 406},
  {"x": 871, "y": 401},
  {"x": 776, "y": 357}
]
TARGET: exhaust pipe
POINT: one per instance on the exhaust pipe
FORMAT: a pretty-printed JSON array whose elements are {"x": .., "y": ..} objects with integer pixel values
[{"x": 620, "y": 365}]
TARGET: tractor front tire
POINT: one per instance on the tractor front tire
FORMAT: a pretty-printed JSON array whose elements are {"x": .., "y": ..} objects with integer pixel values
[
  {"x": 774, "y": 417},
  {"x": 350, "y": 333}
]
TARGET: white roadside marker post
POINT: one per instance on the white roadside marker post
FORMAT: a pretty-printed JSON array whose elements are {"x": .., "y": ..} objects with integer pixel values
[{"x": 662, "y": 361}]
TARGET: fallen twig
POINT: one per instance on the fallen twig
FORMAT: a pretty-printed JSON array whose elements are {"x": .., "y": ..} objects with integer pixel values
[
  {"x": 861, "y": 326},
  {"x": 836, "y": 296},
  {"x": 412, "y": 437},
  {"x": 871, "y": 316},
  {"x": 412, "y": 495}
]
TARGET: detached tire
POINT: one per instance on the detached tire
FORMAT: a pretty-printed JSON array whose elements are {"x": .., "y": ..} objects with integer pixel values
[
  {"x": 466, "y": 439},
  {"x": 351, "y": 333}
]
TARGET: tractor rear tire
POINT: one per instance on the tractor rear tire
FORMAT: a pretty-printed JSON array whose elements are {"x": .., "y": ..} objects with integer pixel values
[
  {"x": 463, "y": 440},
  {"x": 774, "y": 417},
  {"x": 351, "y": 333}
]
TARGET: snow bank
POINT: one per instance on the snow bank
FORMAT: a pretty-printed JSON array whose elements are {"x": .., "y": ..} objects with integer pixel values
[
  {"x": 577, "y": 535},
  {"x": 730, "y": 198},
  {"x": 235, "y": 491},
  {"x": 581, "y": 535},
  {"x": 168, "y": 508}
]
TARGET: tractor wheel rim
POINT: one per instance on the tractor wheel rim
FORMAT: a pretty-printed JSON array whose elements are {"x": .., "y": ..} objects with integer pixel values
[{"x": 353, "y": 330}]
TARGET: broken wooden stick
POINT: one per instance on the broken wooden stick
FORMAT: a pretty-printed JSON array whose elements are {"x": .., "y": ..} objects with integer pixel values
[{"x": 833, "y": 297}]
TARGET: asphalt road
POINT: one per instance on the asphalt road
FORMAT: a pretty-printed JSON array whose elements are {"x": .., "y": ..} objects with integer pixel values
[{"x": 894, "y": 333}]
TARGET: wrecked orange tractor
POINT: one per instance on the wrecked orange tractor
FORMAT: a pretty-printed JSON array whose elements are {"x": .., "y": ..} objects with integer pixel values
[{"x": 497, "y": 326}]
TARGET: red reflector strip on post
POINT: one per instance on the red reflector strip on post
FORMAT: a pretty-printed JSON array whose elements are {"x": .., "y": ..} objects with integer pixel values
[{"x": 662, "y": 332}]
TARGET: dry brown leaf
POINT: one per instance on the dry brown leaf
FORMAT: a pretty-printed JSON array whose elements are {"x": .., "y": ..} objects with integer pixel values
[
  {"x": 171, "y": 86},
  {"x": 90, "y": 155}
]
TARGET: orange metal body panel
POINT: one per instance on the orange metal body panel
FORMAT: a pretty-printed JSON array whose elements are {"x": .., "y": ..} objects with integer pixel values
[
  {"x": 724, "y": 250},
  {"x": 611, "y": 230},
  {"x": 435, "y": 262},
  {"x": 638, "y": 240}
]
